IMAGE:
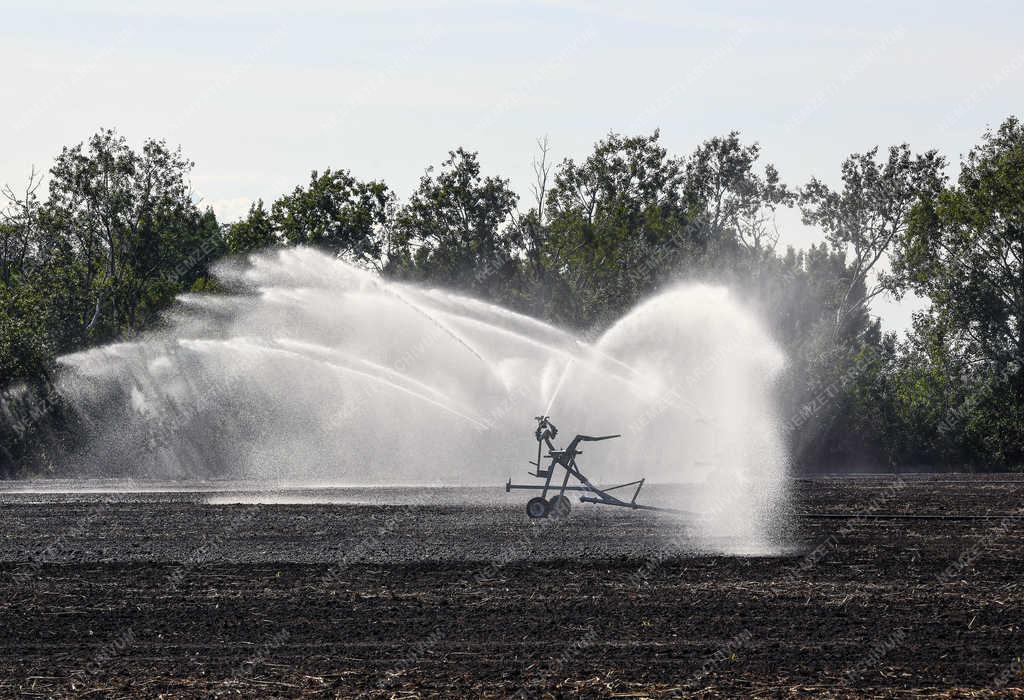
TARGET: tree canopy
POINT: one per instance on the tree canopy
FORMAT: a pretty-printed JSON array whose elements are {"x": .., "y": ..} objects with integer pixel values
[{"x": 116, "y": 234}]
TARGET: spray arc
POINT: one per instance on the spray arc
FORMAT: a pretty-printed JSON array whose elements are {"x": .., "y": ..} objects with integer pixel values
[
  {"x": 300, "y": 372},
  {"x": 558, "y": 505}
]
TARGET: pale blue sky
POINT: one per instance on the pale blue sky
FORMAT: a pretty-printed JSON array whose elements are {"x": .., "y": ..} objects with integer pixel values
[{"x": 260, "y": 93}]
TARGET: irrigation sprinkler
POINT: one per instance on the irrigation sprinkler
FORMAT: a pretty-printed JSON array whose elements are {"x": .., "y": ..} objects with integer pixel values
[{"x": 558, "y": 506}]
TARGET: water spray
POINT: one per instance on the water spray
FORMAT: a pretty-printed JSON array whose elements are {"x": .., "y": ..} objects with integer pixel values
[{"x": 308, "y": 370}]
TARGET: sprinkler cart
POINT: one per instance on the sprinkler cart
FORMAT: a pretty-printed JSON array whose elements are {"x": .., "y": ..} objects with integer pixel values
[{"x": 558, "y": 506}]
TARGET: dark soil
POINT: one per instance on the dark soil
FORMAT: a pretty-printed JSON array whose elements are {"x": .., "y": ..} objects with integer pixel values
[{"x": 123, "y": 597}]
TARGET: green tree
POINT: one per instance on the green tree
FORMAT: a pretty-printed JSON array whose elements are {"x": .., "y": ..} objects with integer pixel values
[
  {"x": 964, "y": 250},
  {"x": 25, "y": 348},
  {"x": 798, "y": 296},
  {"x": 254, "y": 232},
  {"x": 457, "y": 230},
  {"x": 615, "y": 222},
  {"x": 116, "y": 239},
  {"x": 870, "y": 213},
  {"x": 19, "y": 229},
  {"x": 337, "y": 212},
  {"x": 122, "y": 227},
  {"x": 722, "y": 185}
]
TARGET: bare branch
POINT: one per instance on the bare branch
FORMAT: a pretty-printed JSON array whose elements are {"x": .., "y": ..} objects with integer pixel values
[{"x": 541, "y": 169}]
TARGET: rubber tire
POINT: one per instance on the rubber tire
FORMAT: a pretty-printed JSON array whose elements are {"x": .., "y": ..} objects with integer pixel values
[
  {"x": 537, "y": 507},
  {"x": 559, "y": 507}
]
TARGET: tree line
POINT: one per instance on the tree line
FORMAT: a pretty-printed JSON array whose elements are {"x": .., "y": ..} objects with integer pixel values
[{"x": 117, "y": 234}]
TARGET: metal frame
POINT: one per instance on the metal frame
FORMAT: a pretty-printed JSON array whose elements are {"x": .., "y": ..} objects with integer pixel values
[{"x": 566, "y": 459}]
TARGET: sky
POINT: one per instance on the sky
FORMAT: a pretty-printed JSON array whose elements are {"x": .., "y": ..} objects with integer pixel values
[{"x": 259, "y": 93}]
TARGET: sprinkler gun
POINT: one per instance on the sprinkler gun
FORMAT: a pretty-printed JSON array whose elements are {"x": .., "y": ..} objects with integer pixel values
[{"x": 558, "y": 505}]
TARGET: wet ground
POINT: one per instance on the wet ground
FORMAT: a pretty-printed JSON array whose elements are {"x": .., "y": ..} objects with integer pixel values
[{"x": 223, "y": 590}]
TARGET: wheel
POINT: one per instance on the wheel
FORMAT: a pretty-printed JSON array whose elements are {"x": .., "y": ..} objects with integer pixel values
[
  {"x": 537, "y": 507},
  {"x": 559, "y": 506}
]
